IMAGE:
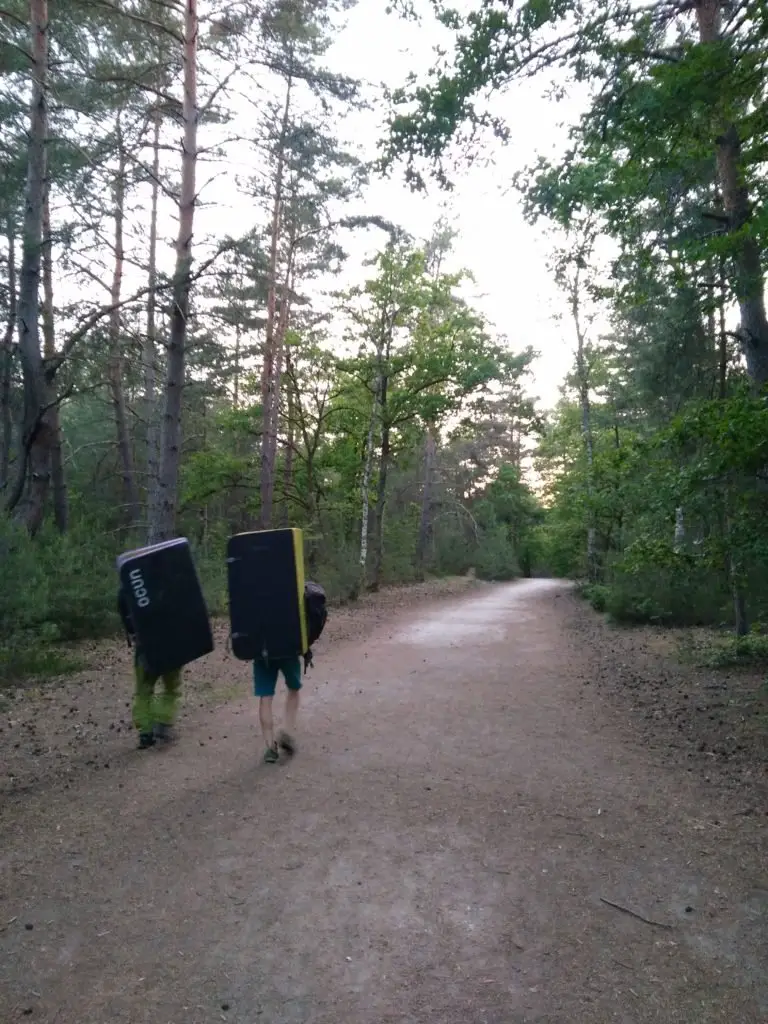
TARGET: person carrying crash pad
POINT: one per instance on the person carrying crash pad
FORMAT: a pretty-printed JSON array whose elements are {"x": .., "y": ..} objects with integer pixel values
[
  {"x": 266, "y": 671},
  {"x": 154, "y": 712}
]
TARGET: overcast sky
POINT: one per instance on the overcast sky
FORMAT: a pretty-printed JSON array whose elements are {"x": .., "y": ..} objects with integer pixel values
[{"x": 506, "y": 256}]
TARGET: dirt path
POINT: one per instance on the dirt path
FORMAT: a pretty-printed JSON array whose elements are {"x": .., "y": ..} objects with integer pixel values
[{"x": 446, "y": 849}]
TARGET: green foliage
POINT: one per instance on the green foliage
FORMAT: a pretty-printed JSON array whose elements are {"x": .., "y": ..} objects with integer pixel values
[
  {"x": 597, "y": 594},
  {"x": 659, "y": 469},
  {"x": 719, "y": 651},
  {"x": 55, "y": 588},
  {"x": 417, "y": 357},
  {"x": 709, "y": 461},
  {"x": 59, "y": 590},
  {"x": 495, "y": 557},
  {"x": 663, "y": 596},
  {"x": 55, "y": 591}
]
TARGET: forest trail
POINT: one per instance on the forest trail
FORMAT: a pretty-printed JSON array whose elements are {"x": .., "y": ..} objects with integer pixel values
[{"x": 452, "y": 845}]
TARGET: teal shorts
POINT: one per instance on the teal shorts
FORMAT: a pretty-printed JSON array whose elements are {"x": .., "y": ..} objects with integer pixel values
[{"x": 265, "y": 675}]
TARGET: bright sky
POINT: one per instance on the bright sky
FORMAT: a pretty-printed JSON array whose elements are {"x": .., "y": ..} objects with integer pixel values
[{"x": 506, "y": 256}]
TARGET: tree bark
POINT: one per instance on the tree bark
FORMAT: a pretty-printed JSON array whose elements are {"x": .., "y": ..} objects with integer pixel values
[
  {"x": 58, "y": 476},
  {"x": 291, "y": 439},
  {"x": 723, "y": 339},
  {"x": 38, "y": 434},
  {"x": 116, "y": 358},
  {"x": 365, "y": 497},
  {"x": 425, "y": 521},
  {"x": 236, "y": 395},
  {"x": 749, "y": 283},
  {"x": 582, "y": 373},
  {"x": 740, "y": 620},
  {"x": 733, "y": 569},
  {"x": 679, "y": 543},
  {"x": 272, "y": 421},
  {"x": 365, "y": 490},
  {"x": 269, "y": 397},
  {"x": 149, "y": 348},
  {"x": 7, "y": 354},
  {"x": 163, "y": 524},
  {"x": 381, "y": 491},
  {"x": 586, "y": 429}
]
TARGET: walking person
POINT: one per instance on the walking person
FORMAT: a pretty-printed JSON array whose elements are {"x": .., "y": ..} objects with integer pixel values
[
  {"x": 267, "y": 670},
  {"x": 265, "y": 675},
  {"x": 154, "y": 711}
]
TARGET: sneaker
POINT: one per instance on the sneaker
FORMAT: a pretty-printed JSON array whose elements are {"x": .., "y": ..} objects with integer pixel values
[
  {"x": 286, "y": 743},
  {"x": 271, "y": 755},
  {"x": 164, "y": 733},
  {"x": 146, "y": 740}
]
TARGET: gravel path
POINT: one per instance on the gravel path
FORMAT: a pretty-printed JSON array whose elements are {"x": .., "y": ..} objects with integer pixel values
[{"x": 467, "y": 836}]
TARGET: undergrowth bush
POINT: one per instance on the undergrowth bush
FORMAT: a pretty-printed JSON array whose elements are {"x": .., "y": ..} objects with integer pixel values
[
  {"x": 651, "y": 583},
  {"x": 665, "y": 596},
  {"x": 729, "y": 651},
  {"x": 495, "y": 558},
  {"x": 56, "y": 590},
  {"x": 597, "y": 594}
]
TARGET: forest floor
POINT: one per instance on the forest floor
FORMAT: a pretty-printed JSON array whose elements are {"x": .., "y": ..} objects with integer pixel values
[{"x": 503, "y": 811}]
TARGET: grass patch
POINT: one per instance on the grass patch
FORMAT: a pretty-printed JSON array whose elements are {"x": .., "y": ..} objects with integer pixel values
[
  {"x": 19, "y": 663},
  {"x": 721, "y": 650}
]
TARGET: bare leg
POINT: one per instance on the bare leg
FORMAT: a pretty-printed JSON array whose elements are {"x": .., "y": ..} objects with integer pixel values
[
  {"x": 267, "y": 721},
  {"x": 291, "y": 710},
  {"x": 286, "y": 738}
]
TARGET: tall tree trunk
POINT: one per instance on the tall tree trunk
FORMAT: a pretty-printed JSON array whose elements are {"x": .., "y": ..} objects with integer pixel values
[
  {"x": 269, "y": 398},
  {"x": 593, "y": 571},
  {"x": 723, "y": 338},
  {"x": 381, "y": 492},
  {"x": 58, "y": 476},
  {"x": 732, "y": 567},
  {"x": 149, "y": 347},
  {"x": 749, "y": 283},
  {"x": 271, "y": 422},
  {"x": 740, "y": 618},
  {"x": 163, "y": 524},
  {"x": 236, "y": 396},
  {"x": 582, "y": 376},
  {"x": 291, "y": 440},
  {"x": 38, "y": 433},
  {"x": 203, "y": 515},
  {"x": 679, "y": 542},
  {"x": 365, "y": 497},
  {"x": 425, "y": 521},
  {"x": 6, "y": 370},
  {"x": 116, "y": 358},
  {"x": 711, "y": 310},
  {"x": 365, "y": 489}
]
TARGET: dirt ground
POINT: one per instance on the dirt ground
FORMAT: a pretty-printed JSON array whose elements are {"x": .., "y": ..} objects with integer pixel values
[
  {"x": 493, "y": 819},
  {"x": 713, "y": 722}
]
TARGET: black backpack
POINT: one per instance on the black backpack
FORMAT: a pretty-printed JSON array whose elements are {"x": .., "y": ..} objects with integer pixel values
[{"x": 316, "y": 613}]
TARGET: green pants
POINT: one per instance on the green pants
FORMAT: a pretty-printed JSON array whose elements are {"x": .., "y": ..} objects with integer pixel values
[{"x": 150, "y": 708}]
